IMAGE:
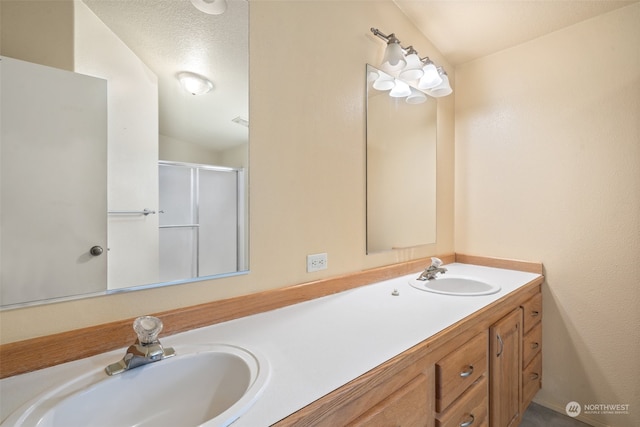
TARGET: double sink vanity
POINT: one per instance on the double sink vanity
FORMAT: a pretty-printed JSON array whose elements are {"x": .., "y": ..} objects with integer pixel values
[{"x": 383, "y": 353}]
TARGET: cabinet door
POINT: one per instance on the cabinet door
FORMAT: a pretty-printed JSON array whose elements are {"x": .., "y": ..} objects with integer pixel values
[
  {"x": 504, "y": 369},
  {"x": 407, "y": 407}
]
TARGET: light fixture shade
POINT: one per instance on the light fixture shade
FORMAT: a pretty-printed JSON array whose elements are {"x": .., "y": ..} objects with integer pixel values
[
  {"x": 443, "y": 89},
  {"x": 416, "y": 97},
  {"x": 383, "y": 82},
  {"x": 393, "y": 60},
  {"x": 194, "y": 83},
  {"x": 400, "y": 89},
  {"x": 431, "y": 77},
  {"x": 413, "y": 70},
  {"x": 211, "y": 7}
]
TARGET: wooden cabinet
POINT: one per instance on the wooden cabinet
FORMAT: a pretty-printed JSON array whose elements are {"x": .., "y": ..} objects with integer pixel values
[
  {"x": 408, "y": 406},
  {"x": 469, "y": 410},
  {"x": 461, "y": 385},
  {"x": 482, "y": 371},
  {"x": 531, "y": 349},
  {"x": 505, "y": 383}
]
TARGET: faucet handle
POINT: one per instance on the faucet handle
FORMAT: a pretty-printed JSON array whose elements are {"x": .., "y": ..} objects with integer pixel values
[
  {"x": 436, "y": 262},
  {"x": 147, "y": 328}
]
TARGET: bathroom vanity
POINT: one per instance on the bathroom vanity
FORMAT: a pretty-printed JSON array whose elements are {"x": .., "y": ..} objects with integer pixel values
[
  {"x": 382, "y": 353},
  {"x": 481, "y": 371}
]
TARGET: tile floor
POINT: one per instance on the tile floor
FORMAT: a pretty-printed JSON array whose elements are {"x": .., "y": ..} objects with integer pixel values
[{"x": 539, "y": 416}]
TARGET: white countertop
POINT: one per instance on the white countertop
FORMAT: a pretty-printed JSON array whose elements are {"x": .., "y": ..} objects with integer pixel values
[{"x": 313, "y": 347}]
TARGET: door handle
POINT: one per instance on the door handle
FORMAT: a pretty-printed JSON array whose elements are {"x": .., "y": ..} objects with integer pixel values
[
  {"x": 96, "y": 250},
  {"x": 501, "y": 345}
]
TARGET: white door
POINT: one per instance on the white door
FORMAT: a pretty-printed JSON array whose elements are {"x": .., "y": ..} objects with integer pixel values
[{"x": 53, "y": 182}]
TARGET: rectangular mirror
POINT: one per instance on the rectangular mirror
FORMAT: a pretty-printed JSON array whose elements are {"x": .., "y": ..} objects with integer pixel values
[
  {"x": 401, "y": 169},
  {"x": 86, "y": 205}
]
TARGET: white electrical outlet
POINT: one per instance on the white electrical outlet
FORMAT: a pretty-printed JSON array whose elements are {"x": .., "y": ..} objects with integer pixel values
[{"x": 316, "y": 262}]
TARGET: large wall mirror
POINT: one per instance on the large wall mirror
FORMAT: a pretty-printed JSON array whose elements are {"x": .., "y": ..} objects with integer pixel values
[
  {"x": 401, "y": 169},
  {"x": 115, "y": 174}
]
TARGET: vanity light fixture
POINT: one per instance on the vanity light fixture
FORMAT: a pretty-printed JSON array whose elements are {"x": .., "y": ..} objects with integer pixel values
[
  {"x": 394, "y": 59},
  {"x": 444, "y": 88},
  {"x": 406, "y": 69},
  {"x": 194, "y": 83},
  {"x": 413, "y": 69},
  {"x": 431, "y": 77},
  {"x": 211, "y": 7}
]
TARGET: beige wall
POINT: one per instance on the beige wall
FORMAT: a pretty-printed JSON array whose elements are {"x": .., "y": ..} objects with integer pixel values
[
  {"x": 547, "y": 168},
  {"x": 46, "y": 38},
  {"x": 306, "y": 162}
]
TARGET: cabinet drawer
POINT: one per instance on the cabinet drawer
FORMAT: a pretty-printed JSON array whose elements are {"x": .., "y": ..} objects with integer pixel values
[
  {"x": 531, "y": 344},
  {"x": 470, "y": 410},
  {"x": 407, "y": 407},
  {"x": 532, "y": 312},
  {"x": 531, "y": 380},
  {"x": 460, "y": 369}
]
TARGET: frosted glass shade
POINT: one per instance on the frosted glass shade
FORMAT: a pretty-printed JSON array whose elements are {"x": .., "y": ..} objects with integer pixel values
[
  {"x": 416, "y": 97},
  {"x": 413, "y": 70},
  {"x": 431, "y": 77},
  {"x": 400, "y": 89},
  {"x": 393, "y": 58},
  {"x": 383, "y": 82},
  {"x": 443, "y": 89}
]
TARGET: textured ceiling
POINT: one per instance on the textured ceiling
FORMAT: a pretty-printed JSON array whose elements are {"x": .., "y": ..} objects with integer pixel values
[
  {"x": 464, "y": 30},
  {"x": 171, "y": 36}
]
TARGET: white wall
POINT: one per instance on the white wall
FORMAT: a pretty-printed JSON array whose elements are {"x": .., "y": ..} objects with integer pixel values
[
  {"x": 547, "y": 168},
  {"x": 175, "y": 150},
  {"x": 133, "y": 148}
]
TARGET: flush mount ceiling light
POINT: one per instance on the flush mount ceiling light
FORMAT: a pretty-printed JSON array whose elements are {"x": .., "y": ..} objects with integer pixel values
[
  {"x": 194, "y": 83},
  {"x": 405, "y": 65},
  {"x": 210, "y": 7}
]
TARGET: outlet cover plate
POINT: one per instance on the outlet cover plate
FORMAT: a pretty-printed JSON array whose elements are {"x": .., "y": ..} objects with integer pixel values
[{"x": 316, "y": 262}]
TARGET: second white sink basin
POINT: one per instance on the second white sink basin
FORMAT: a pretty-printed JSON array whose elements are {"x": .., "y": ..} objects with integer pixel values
[
  {"x": 457, "y": 285},
  {"x": 209, "y": 385}
]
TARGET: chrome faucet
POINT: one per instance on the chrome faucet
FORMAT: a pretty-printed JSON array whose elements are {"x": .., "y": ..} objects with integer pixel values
[
  {"x": 431, "y": 272},
  {"x": 146, "y": 349}
]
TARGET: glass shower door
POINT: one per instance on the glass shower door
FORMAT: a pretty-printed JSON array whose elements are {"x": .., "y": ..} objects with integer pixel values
[{"x": 178, "y": 223}]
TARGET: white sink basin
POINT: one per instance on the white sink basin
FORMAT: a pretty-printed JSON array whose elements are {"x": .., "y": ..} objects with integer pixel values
[
  {"x": 208, "y": 385},
  {"x": 457, "y": 285}
]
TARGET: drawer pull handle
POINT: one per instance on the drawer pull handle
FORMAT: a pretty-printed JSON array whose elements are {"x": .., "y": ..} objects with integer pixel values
[
  {"x": 535, "y": 313},
  {"x": 501, "y": 345},
  {"x": 468, "y": 423},
  {"x": 468, "y": 372},
  {"x": 534, "y": 345},
  {"x": 534, "y": 376}
]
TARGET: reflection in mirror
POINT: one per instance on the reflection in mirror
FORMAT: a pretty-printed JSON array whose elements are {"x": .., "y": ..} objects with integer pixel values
[
  {"x": 401, "y": 169},
  {"x": 93, "y": 115}
]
